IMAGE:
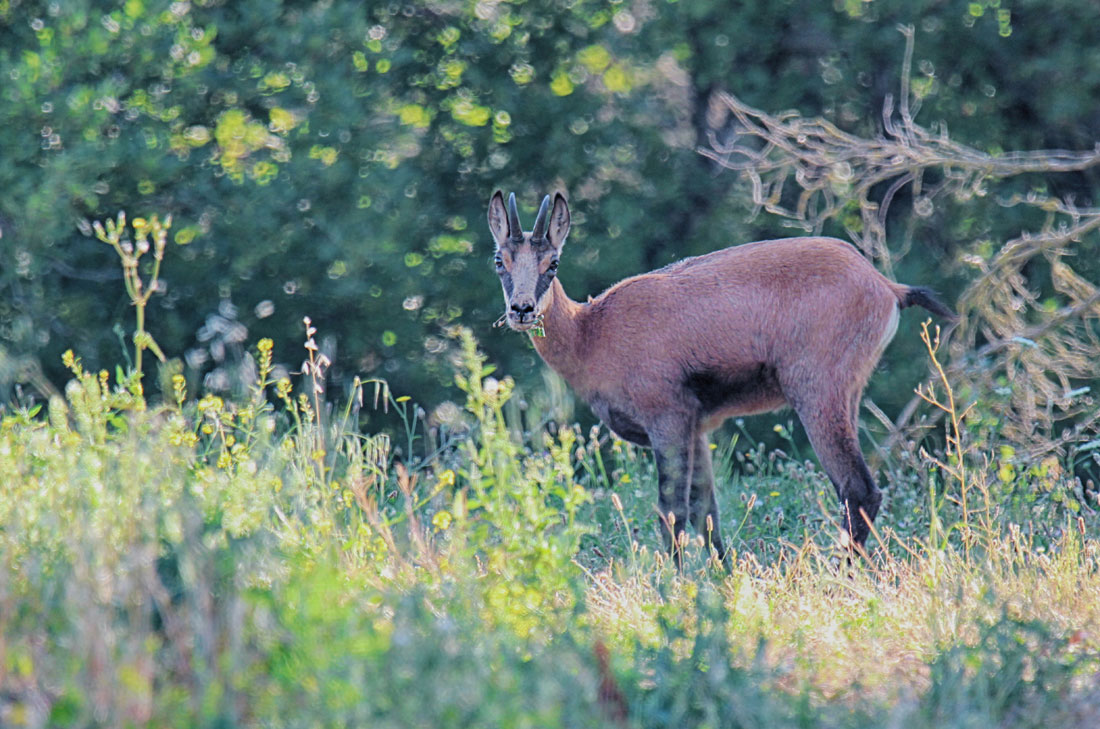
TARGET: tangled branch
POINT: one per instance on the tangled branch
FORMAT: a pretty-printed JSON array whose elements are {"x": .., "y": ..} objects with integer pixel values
[
  {"x": 836, "y": 172},
  {"x": 1039, "y": 353}
]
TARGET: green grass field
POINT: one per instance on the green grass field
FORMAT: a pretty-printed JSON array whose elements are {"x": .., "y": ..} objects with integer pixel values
[{"x": 262, "y": 563}]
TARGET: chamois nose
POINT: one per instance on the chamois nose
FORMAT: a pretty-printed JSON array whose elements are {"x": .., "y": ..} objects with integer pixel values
[{"x": 523, "y": 309}]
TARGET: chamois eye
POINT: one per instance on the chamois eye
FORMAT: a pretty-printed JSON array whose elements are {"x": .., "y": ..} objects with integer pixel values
[
  {"x": 553, "y": 268},
  {"x": 499, "y": 263}
]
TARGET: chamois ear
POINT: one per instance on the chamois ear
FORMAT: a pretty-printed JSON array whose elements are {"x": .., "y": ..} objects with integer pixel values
[
  {"x": 498, "y": 219},
  {"x": 558, "y": 226}
]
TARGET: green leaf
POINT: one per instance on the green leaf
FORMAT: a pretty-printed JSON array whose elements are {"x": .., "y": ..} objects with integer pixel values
[
  {"x": 561, "y": 84},
  {"x": 595, "y": 58}
]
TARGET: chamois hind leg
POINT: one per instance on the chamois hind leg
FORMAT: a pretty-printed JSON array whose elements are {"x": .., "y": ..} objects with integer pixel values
[
  {"x": 703, "y": 506},
  {"x": 673, "y": 448},
  {"x": 857, "y": 398},
  {"x": 831, "y": 426}
]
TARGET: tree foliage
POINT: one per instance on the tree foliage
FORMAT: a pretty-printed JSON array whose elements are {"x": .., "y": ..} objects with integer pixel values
[{"x": 333, "y": 159}]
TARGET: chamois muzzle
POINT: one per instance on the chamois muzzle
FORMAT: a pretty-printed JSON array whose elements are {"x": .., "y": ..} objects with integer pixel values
[{"x": 521, "y": 315}]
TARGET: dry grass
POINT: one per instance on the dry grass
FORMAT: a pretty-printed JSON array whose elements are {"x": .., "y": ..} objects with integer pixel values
[{"x": 868, "y": 633}]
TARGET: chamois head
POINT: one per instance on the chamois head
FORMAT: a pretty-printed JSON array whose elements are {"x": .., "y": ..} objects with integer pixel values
[{"x": 527, "y": 262}]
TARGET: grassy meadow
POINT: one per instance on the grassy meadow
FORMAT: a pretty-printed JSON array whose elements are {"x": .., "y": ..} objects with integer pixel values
[
  {"x": 196, "y": 531},
  {"x": 191, "y": 562}
]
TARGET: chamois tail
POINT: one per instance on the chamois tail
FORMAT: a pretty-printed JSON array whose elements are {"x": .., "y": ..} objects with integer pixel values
[{"x": 925, "y": 298}]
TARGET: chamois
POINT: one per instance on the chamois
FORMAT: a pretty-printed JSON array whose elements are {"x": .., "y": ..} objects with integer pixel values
[{"x": 664, "y": 357}]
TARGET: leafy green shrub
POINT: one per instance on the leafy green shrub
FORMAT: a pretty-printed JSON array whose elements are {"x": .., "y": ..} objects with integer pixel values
[
  {"x": 425, "y": 660},
  {"x": 688, "y": 680},
  {"x": 1016, "y": 674},
  {"x": 124, "y": 554}
]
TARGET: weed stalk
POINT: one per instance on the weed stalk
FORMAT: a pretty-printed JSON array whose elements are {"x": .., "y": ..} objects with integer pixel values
[
  {"x": 954, "y": 465},
  {"x": 149, "y": 234}
]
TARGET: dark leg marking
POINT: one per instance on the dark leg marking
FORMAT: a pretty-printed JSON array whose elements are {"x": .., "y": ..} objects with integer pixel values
[
  {"x": 674, "y": 451},
  {"x": 830, "y": 427},
  {"x": 703, "y": 505}
]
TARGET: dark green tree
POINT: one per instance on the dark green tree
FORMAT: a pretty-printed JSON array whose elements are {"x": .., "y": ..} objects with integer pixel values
[{"x": 334, "y": 160}]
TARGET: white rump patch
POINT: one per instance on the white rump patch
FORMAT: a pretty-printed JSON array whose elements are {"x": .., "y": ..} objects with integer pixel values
[{"x": 890, "y": 331}]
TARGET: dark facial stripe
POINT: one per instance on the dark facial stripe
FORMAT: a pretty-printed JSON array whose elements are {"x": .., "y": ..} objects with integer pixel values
[
  {"x": 506, "y": 282},
  {"x": 542, "y": 285}
]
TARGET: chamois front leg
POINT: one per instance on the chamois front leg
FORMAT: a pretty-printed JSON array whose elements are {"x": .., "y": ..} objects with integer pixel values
[
  {"x": 703, "y": 505},
  {"x": 672, "y": 439}
]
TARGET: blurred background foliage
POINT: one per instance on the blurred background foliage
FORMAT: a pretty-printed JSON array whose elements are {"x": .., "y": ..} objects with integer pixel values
[{"x": 333, "y": 159}]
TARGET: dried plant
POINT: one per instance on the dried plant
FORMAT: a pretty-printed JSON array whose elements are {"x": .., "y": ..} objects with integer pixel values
[{"x": 1014, "y": 342}]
